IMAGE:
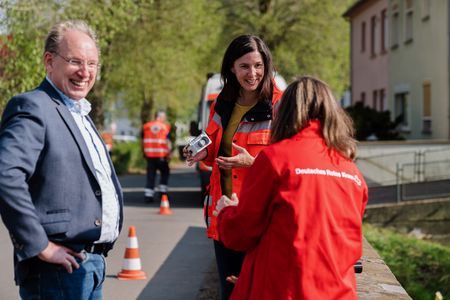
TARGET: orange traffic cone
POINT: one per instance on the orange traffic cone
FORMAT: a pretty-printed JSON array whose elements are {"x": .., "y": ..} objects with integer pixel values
[
  {"x": 131, "y": 267},
  {"x": 164, "y": 207}
]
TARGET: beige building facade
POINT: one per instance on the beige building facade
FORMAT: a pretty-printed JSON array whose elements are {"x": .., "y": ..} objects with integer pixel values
[
  {"x": 419, "y": 67},
  {"x": 404, "y": 67},
  {"x": 369, "y": 53}
]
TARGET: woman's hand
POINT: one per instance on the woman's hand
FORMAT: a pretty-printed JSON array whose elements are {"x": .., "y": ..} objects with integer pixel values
[
  {"x": 241, "y": 160},
  {"x": 233, "y": 279},
  {"x": 193, "y": 159},
  {"x": 224, "y": 201}
]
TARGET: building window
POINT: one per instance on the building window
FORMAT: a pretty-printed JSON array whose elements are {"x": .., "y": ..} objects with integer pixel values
[
  {"x": 408, "y": 21},
  {"x": 395, "y": 30},
  {"x": 375, "y": 99},
  {"x": 363, "y": 98},
  {"x": 426, "y": 8},
  {"x": 373, "y": 27},
  {"x": 363, "y": 36},
  {"x": 382, "y": 97},
  {"x": 426, "y": 113},
  {"x": 401, "y": 111},
  {"x": 408, "y": 4},
  {"x": 384, "y": 31}
]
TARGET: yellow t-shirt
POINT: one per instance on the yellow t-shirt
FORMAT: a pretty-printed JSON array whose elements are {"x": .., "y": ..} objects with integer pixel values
[{"x": 227, "y": 139}]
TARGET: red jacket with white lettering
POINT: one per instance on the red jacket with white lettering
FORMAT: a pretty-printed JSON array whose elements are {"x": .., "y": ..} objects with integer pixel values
[
  {"x": 155, "y": 139},
  {"x": 253, "y": 133},
  {"x": 299, "y": 220}
]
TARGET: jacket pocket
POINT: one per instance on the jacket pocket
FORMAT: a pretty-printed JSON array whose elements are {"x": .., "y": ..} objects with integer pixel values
[{"x": 56, "y": 221}]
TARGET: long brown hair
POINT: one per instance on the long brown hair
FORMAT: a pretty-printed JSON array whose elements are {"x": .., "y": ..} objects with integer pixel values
[
  {"x": 240, "y": 46},
  {"x": 307, "y": 99}
]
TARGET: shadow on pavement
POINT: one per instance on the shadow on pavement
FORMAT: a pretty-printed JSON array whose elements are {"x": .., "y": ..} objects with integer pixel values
[
  {"x": 184, "y": 189},
  {"x": 182, "y": 273},
  {"x": 176, "y": 200}
]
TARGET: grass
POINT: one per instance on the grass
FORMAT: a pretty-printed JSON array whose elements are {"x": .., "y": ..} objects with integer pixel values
[{"x": 422, "y": 267}]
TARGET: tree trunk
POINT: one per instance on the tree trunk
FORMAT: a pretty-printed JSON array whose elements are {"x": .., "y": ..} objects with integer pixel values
[
  {"x": 97, "y": 111},
  {"x": 146, "y": 107}
]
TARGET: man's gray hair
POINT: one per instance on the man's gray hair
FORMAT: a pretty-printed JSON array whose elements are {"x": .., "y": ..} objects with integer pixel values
[{"x": 56, "y": 34}]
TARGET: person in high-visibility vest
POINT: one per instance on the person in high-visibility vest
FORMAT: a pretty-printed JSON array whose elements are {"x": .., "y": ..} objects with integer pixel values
[
  {"x": 108, "y": 140},
  {"x": 156, "y": 147}
]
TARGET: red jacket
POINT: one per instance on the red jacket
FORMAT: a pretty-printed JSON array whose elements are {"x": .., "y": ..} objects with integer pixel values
[
  {"x": 155, "y": 139},
  {"x": 299, "y": 220},
  {"x": 253, "y": 133}
]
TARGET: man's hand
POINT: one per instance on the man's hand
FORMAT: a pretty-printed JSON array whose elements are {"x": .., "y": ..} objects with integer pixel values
[
  {"x": 224, "y": 201},
  {"x": 60, "y": 255},
  {"x": 241, "y": 160}
]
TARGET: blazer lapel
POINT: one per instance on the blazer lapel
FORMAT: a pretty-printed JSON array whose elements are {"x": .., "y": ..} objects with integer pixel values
[{"x": 70, "y": 122}]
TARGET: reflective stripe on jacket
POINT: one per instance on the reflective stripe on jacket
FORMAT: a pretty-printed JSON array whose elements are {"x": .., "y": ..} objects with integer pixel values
[
  {"x": 155, "y": 141},
  {"x": 252, "y": 133}
]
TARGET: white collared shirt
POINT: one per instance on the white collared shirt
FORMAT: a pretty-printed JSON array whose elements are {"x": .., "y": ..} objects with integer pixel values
[{"x": 110, "y": 203}]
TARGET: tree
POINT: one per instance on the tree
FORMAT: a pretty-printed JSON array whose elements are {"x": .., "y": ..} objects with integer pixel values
[
  {"x": 26, "y": 23},
  {"x": 109, "y": 18},
  {"x": 155, "y": 53},
  {"x": 305, "y": 36},
  {"x": 369, "y": 122},
  {"x": 161, "y": 60}
]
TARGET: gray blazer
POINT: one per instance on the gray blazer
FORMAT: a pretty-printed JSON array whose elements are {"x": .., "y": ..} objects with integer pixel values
[{"x": 48, "y": 186}]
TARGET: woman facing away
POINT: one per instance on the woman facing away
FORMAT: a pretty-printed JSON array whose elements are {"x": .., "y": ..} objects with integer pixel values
[
  {"x": 239, "y": 128},
  {"x": 299, "y": 213}
]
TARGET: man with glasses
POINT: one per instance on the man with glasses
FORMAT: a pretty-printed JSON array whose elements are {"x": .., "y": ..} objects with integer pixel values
[{"x": 60, "y": 198}]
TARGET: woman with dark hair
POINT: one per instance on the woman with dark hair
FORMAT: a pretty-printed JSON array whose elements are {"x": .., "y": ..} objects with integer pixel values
[
  {"x": 299, "y": 214},
  {"x": 239, "y": 128}
]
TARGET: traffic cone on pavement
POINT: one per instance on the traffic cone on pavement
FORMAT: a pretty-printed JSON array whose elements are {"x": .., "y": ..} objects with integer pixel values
[
  {"x": 164, "y": 207},
  {"x": 131, "y": 267}
]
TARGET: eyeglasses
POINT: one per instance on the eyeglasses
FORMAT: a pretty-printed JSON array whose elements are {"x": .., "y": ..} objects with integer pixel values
[{"x": 91, "y": 65}]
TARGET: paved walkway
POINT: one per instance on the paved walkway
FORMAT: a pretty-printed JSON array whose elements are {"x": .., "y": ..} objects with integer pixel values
[{"x": 174, "y": 250}]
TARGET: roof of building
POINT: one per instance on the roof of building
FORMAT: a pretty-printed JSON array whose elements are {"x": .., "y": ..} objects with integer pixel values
[{"x": 355, "y": 8}]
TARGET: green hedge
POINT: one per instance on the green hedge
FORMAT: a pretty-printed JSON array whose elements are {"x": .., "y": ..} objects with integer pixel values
[
  {"x": 127, "y": 157},
  {"x": 422, "y": 267}
]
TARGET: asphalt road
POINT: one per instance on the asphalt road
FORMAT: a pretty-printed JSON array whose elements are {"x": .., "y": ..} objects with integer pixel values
[{"x": 175, "y": 253}]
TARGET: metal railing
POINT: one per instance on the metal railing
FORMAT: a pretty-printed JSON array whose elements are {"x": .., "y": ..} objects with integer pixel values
[{"x": 409, "y": 175}]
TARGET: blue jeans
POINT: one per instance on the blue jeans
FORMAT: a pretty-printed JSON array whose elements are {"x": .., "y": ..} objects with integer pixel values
[{"x": 53, "y": 282}]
